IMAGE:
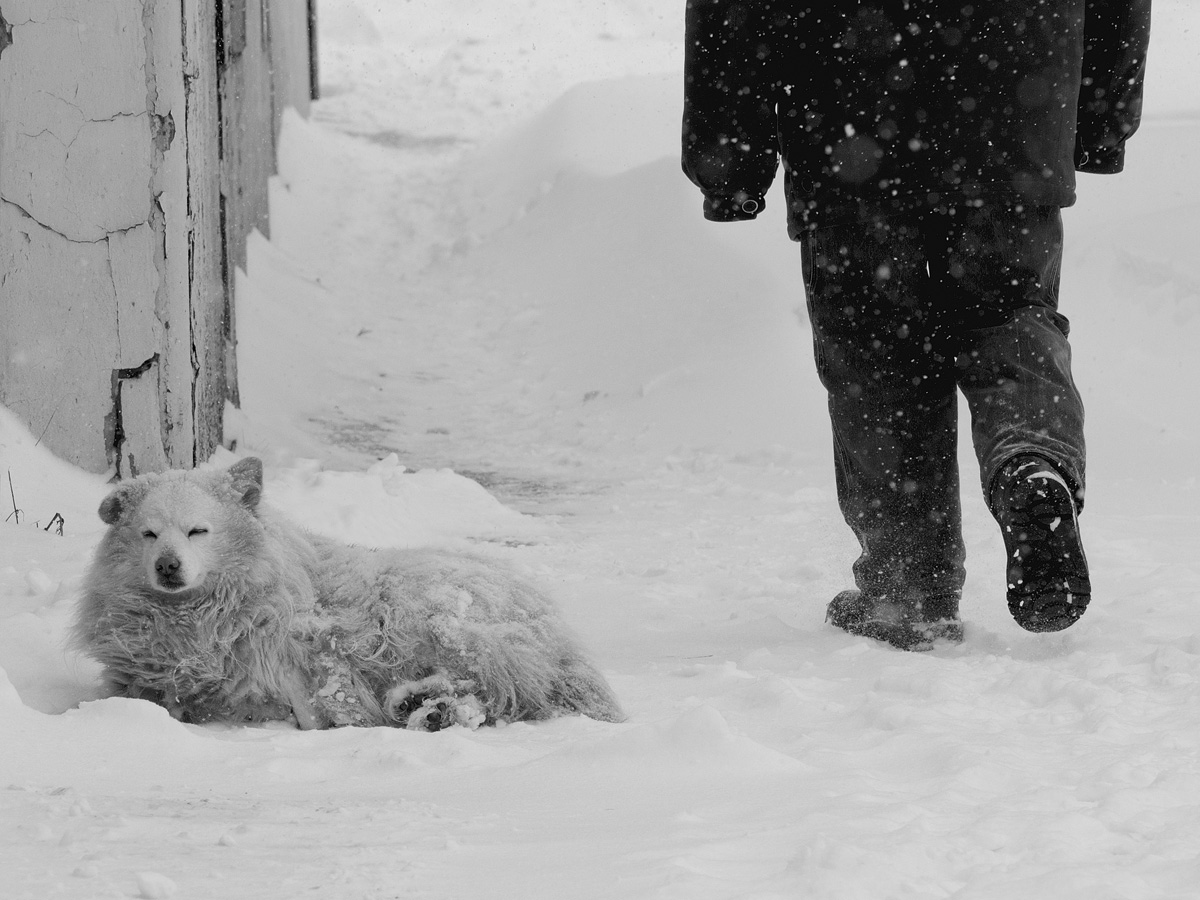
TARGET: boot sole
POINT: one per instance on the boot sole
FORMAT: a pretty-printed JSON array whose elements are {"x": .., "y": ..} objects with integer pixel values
[{"x": 1049, "y": 586}]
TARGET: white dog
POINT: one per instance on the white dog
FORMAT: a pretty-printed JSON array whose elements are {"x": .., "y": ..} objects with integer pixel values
[{"x": 203, "y": 600}]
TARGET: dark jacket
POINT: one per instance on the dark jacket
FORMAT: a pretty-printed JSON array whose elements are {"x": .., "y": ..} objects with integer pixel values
[{"x": 882, "y": 107}]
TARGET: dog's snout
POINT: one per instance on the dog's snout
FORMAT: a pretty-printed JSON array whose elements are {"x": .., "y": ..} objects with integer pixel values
[{"x": 167, "y": 565}]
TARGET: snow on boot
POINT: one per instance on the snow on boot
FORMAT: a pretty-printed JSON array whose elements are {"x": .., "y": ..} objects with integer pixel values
[
  {"x": 1048, "y": 583},
  {"x": 905, "y": 625}
]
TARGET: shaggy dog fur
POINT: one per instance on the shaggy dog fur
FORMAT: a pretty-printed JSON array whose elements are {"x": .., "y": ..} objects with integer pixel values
[{"x": 204, "y": 601}]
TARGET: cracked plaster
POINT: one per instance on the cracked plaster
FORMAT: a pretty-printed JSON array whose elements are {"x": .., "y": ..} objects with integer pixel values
[{"x": 82, "y": 155}]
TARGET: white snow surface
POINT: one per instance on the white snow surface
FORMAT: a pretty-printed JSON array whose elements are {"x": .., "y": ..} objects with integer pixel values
[{"x": 490, "y": 316}]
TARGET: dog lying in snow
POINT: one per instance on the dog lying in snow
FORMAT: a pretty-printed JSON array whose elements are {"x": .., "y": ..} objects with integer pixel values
[{"x": 203, "y": 600}]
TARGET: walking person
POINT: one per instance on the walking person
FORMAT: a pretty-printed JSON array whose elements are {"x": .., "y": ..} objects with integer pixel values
[{"x": 928, "y": 148}]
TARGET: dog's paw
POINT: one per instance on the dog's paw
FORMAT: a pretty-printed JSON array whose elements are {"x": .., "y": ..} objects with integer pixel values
[
  {"x": 432, "y": 703},
  {"x": 403, "y": 698},
  {"x": 436, "y": 713}
]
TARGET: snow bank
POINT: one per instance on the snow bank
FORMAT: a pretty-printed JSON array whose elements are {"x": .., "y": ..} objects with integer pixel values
[
  {"x": 50, "y": 524},
  {"x": 698, "y": 342},
  {"x": 575, "y": 135},
  {"x": 389, "y": 506},
  {"x": 41, "y": 485}
]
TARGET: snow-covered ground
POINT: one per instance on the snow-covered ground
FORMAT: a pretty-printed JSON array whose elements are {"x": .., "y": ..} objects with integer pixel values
[{"x": 486, "y": 269}]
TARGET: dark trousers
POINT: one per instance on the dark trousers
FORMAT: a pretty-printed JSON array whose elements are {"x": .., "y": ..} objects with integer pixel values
[{"x": 904, "y": 311}]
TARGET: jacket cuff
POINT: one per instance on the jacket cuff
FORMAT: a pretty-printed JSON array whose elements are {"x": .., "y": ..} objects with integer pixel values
[
  {"x": 1100, "y": 160},
  {"x": 738, "y": 208}
]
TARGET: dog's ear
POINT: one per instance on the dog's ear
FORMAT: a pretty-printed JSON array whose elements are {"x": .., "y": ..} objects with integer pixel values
[
  {"x": 246, "y": 475},
  {"x": 116, "y": 506}
]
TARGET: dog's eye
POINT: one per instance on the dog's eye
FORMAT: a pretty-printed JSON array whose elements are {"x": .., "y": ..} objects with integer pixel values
[
  {"x": 149, "y": 535},
  {"x": 197, "y": 531}
]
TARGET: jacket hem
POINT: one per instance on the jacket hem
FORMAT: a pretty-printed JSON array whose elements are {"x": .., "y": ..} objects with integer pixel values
[{"x": 807, "y": 214}]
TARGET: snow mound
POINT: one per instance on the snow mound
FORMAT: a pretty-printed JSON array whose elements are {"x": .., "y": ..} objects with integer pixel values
[
  {"x": 40, "y": 484},
  {"x": 390, "y": 506},
  {"x": 575, "y": 135},
  {"x": 116, "y": 717}
]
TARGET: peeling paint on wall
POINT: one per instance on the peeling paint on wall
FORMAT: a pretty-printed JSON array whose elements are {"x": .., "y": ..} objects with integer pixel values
[
  {"x": 5, "y": 34},
  {"x": 126, "y": 460}
]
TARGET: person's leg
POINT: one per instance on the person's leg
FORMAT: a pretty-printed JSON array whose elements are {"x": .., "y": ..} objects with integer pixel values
[
  {"x": 1001, "y": 273},
  {"x": 1001, "y": 267},
  {"x": 893, "y": 410}
]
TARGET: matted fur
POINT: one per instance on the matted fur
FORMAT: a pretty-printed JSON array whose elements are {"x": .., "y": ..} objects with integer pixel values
[{"x": 203, "y": 600}]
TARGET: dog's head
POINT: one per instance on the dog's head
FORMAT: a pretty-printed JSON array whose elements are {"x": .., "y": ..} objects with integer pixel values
[{"x": 180, "y": 528}]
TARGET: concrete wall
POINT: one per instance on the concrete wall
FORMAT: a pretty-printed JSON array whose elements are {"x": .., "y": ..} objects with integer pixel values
[{"x": 120, "y": 162}]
